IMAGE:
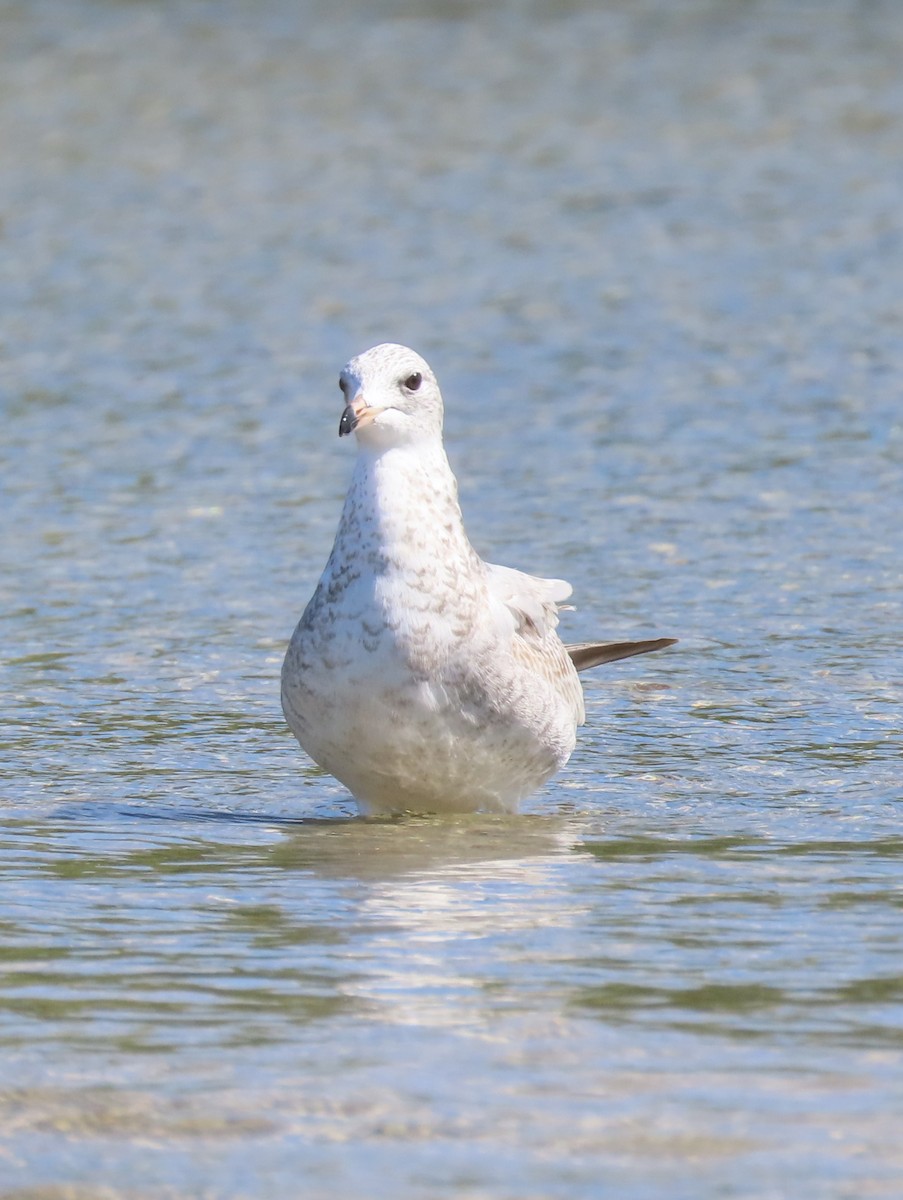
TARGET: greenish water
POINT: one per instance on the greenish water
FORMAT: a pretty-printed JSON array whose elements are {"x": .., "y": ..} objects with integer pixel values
[{"x": 653, "y": 252}]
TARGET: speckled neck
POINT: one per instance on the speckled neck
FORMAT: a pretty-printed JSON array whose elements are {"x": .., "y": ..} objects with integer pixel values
[{"x": 400, "y": 499}]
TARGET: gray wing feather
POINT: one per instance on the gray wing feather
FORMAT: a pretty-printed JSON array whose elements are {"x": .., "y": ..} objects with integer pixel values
[{"x": 594, "y": 654}]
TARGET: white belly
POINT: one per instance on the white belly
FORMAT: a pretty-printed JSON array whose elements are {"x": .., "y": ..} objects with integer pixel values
[{"x": 426, "y": 746}]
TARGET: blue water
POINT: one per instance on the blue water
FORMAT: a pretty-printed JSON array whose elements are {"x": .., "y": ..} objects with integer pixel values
[{"x": 653, "y": 252}]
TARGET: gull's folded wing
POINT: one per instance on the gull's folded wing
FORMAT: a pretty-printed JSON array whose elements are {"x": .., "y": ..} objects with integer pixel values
[{"x": 594, "y": 654}]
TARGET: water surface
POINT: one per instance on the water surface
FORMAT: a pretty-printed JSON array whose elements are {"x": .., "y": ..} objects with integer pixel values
[{"x": 653, "y": 252}]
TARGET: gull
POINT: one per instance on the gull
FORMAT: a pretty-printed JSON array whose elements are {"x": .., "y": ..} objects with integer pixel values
[{"x": 423, "y": 678}]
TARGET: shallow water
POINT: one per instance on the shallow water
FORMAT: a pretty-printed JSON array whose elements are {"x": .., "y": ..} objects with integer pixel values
[{"x": 653, "y": 252}]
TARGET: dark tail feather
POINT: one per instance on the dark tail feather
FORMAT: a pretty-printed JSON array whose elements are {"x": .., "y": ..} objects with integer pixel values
[{"x": 594, "y": 654}]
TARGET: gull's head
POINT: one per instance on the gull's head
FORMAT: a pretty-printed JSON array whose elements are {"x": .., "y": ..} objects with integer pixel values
[{"x": 391, "y": 398}]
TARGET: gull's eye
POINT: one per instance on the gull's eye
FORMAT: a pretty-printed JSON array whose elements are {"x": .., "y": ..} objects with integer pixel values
[{"x": 413, "y": 382}]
